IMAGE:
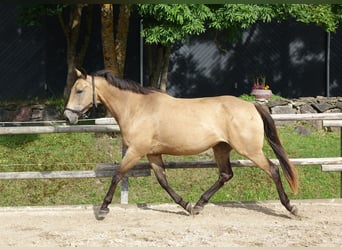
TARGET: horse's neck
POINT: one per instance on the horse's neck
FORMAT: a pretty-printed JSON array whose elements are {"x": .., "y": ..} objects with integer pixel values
[{"x": 118, "y": 102}]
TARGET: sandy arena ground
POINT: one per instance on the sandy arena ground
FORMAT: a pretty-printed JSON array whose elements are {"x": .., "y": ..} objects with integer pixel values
[{"x": 251, "y": 224}]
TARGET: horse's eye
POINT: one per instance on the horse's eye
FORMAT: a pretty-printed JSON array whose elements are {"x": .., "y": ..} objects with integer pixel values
[{"x": 79, "y": 91}]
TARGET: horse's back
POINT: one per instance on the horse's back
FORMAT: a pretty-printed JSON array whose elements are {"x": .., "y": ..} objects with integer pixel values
[{"x": 209, "y": 109}]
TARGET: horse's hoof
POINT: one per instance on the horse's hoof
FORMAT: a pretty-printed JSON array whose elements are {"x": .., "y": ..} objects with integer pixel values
[
  {"x": 188, "y": 208},
  {"x": 196, "y": 210},
  {"x": 102, "y": 213},
  {"x": 294, "y": 210}
]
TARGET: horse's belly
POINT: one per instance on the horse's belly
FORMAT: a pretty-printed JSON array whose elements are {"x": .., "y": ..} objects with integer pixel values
[{"x": 189, "y": 142}]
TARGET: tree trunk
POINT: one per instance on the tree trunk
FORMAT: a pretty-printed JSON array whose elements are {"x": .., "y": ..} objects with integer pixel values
[
  {"x": 114, "y": 45},
  {"x": 71, "y": 29},
  {"x": 165, "y": 67},
  {"x": 158, "y": 58},
  {"x": 121, "y": 37},
  {"x": 107, "y": 34},
  {"x": 71, "y": 76},
  {"x": 88, "y": 12}
]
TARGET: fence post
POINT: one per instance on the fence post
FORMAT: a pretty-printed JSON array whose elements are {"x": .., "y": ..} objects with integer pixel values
[
  {"x": 341, "y": 155},
  {"x": 124, "y": 181},
  {"x": 124, "y": 190}
]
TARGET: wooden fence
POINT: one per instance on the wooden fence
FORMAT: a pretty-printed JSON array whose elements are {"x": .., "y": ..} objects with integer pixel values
[{"x": 143, "y": 169}]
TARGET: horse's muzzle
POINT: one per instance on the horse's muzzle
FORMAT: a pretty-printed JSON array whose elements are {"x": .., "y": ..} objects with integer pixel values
[{"x": 72, "y": 117}]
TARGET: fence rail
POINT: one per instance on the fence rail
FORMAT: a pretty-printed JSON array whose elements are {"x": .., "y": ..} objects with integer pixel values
[{"x": 143, "y": 169}]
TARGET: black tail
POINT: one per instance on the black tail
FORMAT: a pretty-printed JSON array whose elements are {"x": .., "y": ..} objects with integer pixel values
[{"x": 273, "y": 139}]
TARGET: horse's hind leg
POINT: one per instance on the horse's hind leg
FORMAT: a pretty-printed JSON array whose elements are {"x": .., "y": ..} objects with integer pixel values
[
  {"x": 273, "y": 171},
  {"x": 159, "y": 170},
  {"x": 221, "y": 153},
  {"x": 280, "y": 189}
]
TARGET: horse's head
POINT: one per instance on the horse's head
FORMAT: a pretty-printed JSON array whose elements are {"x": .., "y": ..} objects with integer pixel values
[{"x": 82, "y": 97}]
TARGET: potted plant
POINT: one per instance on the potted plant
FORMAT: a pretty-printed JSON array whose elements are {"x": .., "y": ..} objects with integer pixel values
[{"x": 260, "y": 89}]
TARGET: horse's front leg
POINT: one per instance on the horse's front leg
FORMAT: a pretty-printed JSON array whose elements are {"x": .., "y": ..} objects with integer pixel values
[
  {"x": 128, "y": 162},
  {"x": 159, "y": 170}
]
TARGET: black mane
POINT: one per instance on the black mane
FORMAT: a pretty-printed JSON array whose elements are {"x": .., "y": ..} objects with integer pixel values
[{"x": 122, "y": 83}]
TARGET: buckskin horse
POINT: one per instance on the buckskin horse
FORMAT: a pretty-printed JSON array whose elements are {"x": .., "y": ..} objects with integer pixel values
[{"x": 153, "y": 123}]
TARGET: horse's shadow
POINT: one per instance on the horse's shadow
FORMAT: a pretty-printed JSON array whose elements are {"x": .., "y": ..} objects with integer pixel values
[
  {"x": 144, "y": 206},
  {"x": 253, "y": 206}
]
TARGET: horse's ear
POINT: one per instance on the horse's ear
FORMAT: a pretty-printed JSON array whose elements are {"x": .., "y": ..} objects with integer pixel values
[{"x": 81, "y": 73}]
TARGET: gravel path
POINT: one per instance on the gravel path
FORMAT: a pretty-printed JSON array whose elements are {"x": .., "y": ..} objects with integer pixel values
[{"x": 247, "y": 224}]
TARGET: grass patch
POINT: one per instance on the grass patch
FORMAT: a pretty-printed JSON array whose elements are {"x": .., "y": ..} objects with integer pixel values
[
  {"x": 251, "y": 98},
  {"x": 82, "y": 151}
]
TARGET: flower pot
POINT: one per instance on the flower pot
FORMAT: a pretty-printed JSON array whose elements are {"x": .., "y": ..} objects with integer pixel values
[{"x": 261, "y": 94}]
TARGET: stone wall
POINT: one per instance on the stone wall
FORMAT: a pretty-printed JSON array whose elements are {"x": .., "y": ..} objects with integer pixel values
[
  {"x": 26, "y": 112},
  {"x": 305, "y": 105},
  {"x": 37, "y": 112}
]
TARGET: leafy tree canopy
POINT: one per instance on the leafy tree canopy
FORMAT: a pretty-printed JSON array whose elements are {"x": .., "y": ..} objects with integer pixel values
[
  {"x": 168, "y": 23},
  {"x": 31, "y": 14}
]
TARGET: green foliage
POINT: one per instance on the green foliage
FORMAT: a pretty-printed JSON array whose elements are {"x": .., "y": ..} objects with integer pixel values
[
  {"x": 323, "y": 15},
  {"x": 250, "y": 98},
  {"x": 241, "y": 15},
  {"x": 168, "y": 23},
  {"x": 247, "y": 97},
  {"x": 58, "y": 103},
  {"x": 32, "y": 14}
]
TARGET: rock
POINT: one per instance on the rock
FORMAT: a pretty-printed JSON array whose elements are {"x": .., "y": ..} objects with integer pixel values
[
  {"x": 50, "y": 114},
  {"x": 322, "y": 107},
  {"x": 280, "y": 102},
  {"x": 307, "y": 99},
  {"x": 24, "y": 114},
  {"x": 11, "y": 107},
  {"x": 339, "y": 105},
  {"x": 333, "y": 110},
  {"x": 283, "y": 110},
  {"x": 298, "y": 104},
  {"x": 301, "y": 130},
  {"x": 4, "y": 115},
  {"x": 307, "y": 109}
]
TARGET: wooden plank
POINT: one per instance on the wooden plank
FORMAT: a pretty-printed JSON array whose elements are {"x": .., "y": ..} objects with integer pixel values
[
  {"x": 58, "y": 129},
  {"x": 146, "y": 165},
  {"x": 332, "y": 123},
  {"x": 143, "y": 168},
  {"x": 69, "y": 174},
  {"x": 105, "y": 121},
  {"x": 234, "y": 163},
  {"x": 96, "y": 121},
  {"x": 316, "y": 161},
  {"x": 295, "y": 117},
  {"x": 332, "y": 168}
]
